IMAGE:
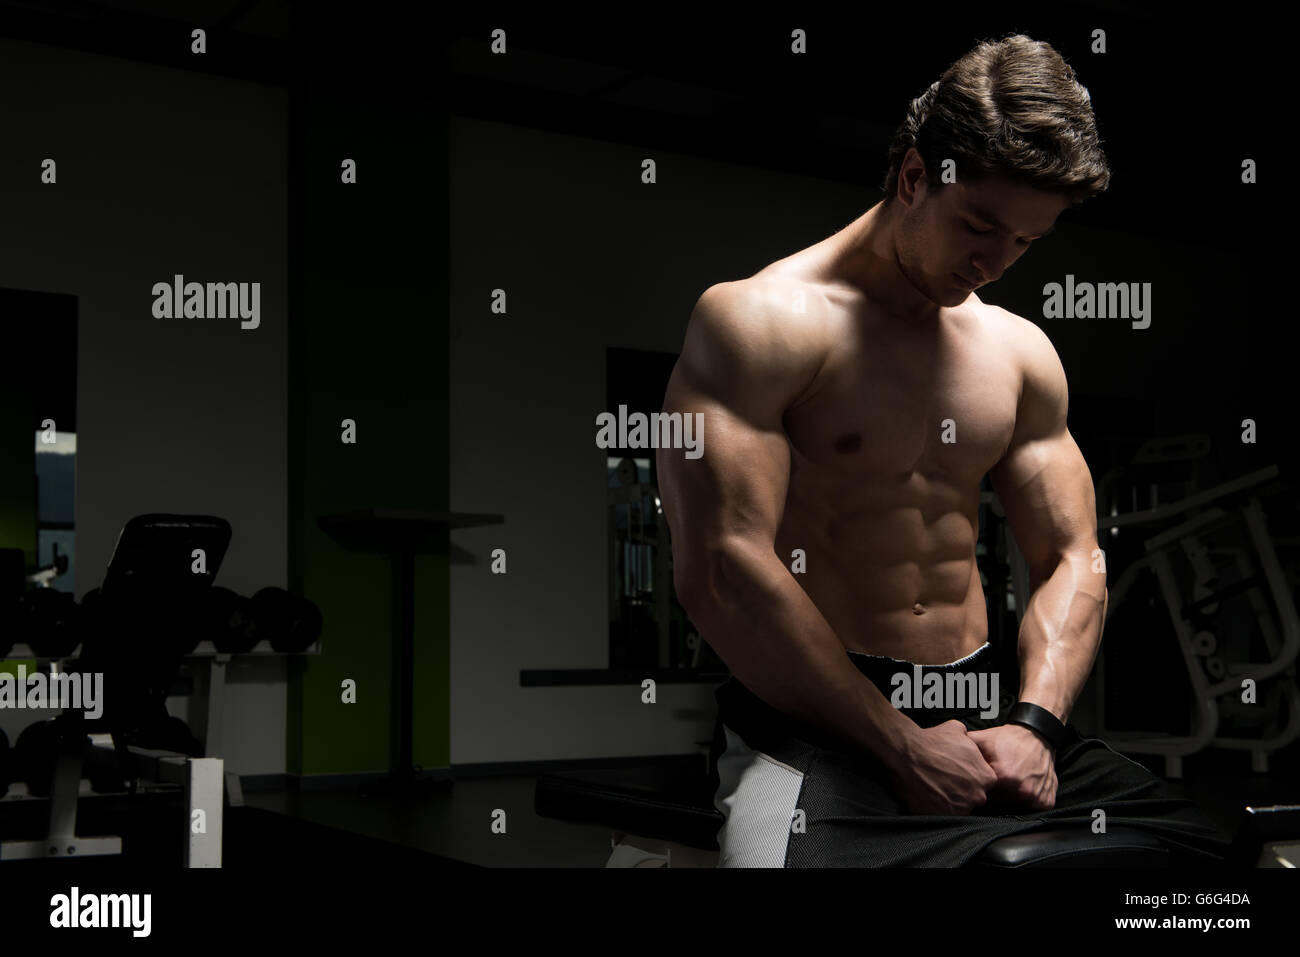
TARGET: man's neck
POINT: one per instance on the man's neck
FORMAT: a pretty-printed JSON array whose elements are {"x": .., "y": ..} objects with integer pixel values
[{"x": 865, "y": 258}]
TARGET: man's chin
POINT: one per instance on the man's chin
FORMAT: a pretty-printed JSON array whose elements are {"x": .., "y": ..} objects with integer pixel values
[{"x": 947, "y": 299}]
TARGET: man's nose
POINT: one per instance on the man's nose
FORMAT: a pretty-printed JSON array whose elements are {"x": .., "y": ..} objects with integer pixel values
[{"x": 987, "y": 270}]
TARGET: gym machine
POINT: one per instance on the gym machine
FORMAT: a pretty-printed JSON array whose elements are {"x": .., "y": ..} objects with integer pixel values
[
  {"x": 1218, "y": 577},
  {"x": 1229, "y": 603},
  {"x": 143, "y": 621}
]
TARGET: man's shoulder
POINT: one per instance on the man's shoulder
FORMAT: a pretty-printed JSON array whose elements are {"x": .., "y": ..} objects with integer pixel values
[
  {"x": 769, "y": 311},
  {"x": 1032, "y": 350},
  {"x": 770, "y": 295},
  {"x": 1043, "y": 388}
]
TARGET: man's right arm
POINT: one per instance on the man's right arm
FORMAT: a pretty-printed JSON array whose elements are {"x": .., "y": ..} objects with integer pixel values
[{"x": 743, "y": 364}]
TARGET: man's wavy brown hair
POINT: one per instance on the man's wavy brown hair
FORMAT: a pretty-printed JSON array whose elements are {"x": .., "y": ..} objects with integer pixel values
[{"x": 1012, "y": 106}]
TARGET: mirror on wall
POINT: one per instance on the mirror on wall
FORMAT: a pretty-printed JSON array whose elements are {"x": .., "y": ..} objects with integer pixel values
[{"x": 38, "y": 434}]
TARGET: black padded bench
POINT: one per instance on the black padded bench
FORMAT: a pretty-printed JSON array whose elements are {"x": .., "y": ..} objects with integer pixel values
[{"x": 664, "y": 816}]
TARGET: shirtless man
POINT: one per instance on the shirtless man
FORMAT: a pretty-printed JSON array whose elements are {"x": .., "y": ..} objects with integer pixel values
[{"x": 854, "y": 396}]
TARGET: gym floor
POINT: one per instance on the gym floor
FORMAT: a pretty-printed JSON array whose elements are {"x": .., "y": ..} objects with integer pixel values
[
  {"x": 453, "y": 826},
  {"x": 330, "y": 827}
]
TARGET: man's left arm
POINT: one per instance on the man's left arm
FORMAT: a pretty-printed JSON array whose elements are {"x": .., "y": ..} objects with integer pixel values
[{"x": 1046, "y": 490}]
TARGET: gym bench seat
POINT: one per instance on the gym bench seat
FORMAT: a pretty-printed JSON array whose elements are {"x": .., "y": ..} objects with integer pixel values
[{"x": 664, "y": 817}]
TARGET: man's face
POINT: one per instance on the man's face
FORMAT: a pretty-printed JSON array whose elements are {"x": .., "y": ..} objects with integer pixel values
[{"x": 968, "y": 234}]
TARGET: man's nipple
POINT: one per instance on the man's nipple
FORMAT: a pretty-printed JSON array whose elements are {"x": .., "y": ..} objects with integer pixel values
[
  {"x": 848, "y": 443},
  {"x": 918, "y": 609}
]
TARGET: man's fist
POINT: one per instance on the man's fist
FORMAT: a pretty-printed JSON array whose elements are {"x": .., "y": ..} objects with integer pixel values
[
  {"x": 1026, "y": 775},
  {"x": 943, "y": 772}
]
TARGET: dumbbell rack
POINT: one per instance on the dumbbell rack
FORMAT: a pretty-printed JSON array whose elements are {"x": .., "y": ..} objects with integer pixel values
[
  {"x": 200, "y": 779},
  {"x": 204, "y": 780},
  {"x": 218, "y": 663}
]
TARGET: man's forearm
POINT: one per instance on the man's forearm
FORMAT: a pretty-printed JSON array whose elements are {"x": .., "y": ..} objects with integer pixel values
[
  {"x": 779, "y": 645},
  {"x": 1061, "y": 632}
]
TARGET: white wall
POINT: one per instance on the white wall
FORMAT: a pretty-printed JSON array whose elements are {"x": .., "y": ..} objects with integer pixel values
[
  {"x": 162, "y": 171},
  {"x": 589, "y": 258}
]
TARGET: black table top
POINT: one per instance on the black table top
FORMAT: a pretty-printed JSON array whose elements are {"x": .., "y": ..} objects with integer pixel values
[{"x": 398, "y": 529}]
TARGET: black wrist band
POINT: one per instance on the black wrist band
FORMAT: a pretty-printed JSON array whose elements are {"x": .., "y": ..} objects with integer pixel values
[{"x": 1047, "y": 725}]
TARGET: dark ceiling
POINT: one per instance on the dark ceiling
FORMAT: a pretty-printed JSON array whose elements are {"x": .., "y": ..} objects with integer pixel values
[{"x": 1177, "y": 110}]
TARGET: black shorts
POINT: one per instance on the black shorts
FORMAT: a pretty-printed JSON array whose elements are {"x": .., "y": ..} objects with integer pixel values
[{"x": 770, "y": 767}]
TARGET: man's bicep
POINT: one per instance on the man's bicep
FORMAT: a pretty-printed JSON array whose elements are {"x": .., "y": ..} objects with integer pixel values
[
  {"x": 736, "y": 487},
  {"x": 1042, "y": 480},
  {"x": 735, "y": 375},
  {"x": 1046, "y": 490}
]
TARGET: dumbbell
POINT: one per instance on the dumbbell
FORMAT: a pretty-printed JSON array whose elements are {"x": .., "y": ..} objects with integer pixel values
[
  {"x": 36, "y": 753},
  {"x": 229, "y": 621},
  {"x": 169, "y": 734},
  {"x": 34, "y": 756},
  {"x": 291, "y": 622},
  {"x": 163, "y": 627},
  {"x": 49, "y": 621}
]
